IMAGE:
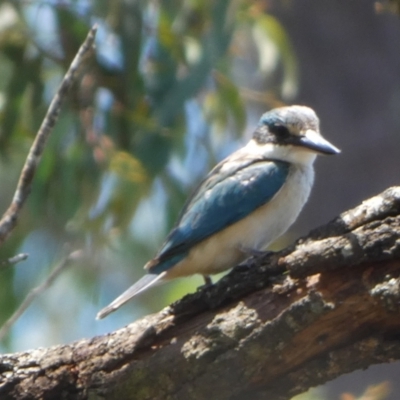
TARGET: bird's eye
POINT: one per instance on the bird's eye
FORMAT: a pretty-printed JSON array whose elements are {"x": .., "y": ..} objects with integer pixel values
[{"x": 279, "y": 130}]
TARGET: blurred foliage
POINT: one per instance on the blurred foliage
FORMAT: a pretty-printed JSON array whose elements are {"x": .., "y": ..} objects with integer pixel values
[
  {"x": 312, "y": 394},
  {"x": 379, "y": 391},
  {"x": 373, "y": 392},
  {"x": 165, "y": 97},
  {"x": 392, "y": 6}
]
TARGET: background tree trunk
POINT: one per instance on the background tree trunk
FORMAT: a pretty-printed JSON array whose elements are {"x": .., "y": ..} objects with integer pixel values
[{"x": 272, "y": 328}]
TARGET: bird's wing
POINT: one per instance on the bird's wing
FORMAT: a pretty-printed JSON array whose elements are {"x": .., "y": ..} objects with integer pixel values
[{"x": 229, "y": 193}]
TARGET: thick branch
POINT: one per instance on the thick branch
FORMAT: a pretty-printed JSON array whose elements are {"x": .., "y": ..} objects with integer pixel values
[
  {"x": 251, "y": 335},
  {"x": 9, "y": 219}
]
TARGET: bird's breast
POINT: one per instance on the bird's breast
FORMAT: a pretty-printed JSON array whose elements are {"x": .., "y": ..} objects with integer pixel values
[{"x": 256, "y": 231}]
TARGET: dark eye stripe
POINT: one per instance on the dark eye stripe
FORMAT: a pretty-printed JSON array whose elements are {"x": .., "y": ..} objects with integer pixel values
[{"x": 279, "y": 130}]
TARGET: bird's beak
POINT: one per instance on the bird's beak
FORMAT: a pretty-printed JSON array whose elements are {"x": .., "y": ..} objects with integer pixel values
[{"x": 314, "y": 141}]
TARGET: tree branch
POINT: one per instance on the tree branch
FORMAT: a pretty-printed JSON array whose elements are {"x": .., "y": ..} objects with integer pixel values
[
  {"x": 35, "y": 292},
  {"x": 256, "y": 334},
  {"x": 9, "y": 219},
  {"x": 14, "y": 260}
]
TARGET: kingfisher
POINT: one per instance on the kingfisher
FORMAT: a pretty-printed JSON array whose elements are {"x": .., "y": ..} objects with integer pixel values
[{"x": 245, "y": 202}]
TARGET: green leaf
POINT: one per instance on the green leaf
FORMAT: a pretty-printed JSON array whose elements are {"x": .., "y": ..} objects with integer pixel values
[
  {"x": 274, "y": 44},
  {"x": 231, "y": 100}
]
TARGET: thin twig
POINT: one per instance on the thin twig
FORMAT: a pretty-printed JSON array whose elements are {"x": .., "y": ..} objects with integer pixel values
[
  {"x": 9, "y": 219},
  {"x": 14, "y": 260},
  {"x": 35, "y": 292}
]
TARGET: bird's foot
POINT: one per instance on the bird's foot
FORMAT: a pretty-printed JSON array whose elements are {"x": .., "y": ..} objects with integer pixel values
[
  {"x": 207, "y": 282},
  {"x": 252, "y": 256}
]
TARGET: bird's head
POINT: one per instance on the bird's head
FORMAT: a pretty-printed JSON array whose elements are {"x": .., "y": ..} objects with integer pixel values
[{"x": 291, "y": 134}]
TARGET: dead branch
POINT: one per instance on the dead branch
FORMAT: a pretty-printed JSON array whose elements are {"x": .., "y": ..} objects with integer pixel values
[
  {"x": 14, "y": 260},
  {"x": 37, "y": 291},
  {"x": 252, "y": 335},
  {"x": 9, "y": 219}
]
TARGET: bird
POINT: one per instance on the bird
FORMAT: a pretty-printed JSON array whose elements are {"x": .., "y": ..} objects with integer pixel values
[{"x": 244, "y": 203}]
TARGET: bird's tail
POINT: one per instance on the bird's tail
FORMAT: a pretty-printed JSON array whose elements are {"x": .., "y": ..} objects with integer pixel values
[{"x": 138, "y": 287}]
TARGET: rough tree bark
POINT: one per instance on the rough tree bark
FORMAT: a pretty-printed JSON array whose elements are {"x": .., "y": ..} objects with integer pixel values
[{"x": 272, "y": 328}]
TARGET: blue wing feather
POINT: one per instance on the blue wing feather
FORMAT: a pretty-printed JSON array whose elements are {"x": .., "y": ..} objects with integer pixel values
[{"x": 223, "y": 198}]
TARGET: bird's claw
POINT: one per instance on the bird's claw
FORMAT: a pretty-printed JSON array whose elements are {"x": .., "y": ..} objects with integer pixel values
[{"x": 207, "y": 283}]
